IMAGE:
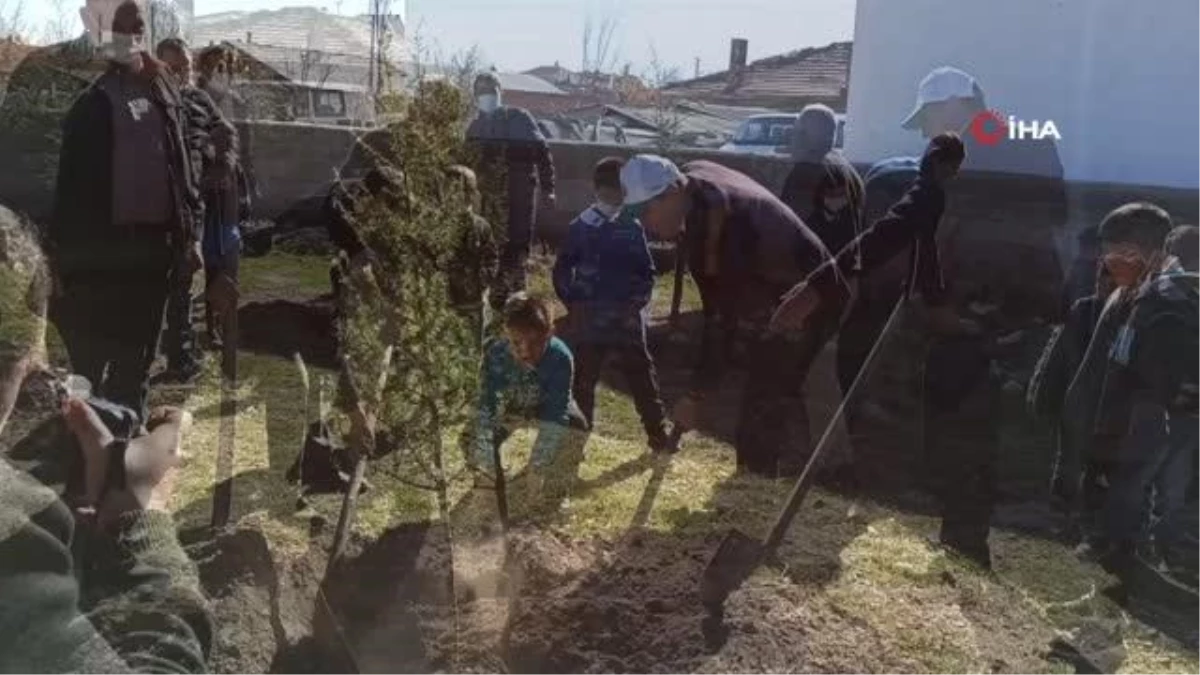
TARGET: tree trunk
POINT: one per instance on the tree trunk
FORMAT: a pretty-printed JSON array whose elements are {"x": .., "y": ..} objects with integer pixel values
[{"x": 346, "y": 517}]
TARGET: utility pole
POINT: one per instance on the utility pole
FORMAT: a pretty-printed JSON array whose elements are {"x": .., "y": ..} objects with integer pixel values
[{"x": 697, "y": 67}]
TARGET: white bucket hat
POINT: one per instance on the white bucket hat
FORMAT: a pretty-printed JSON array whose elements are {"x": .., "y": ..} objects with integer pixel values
[
  {"x": 942, "y": 84},
  {"x": 645, "y": 177}
]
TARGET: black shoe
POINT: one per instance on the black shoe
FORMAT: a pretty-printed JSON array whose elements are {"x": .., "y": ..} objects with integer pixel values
[
  {"x": 666, "y": 442},
  {"x": 185, "y": 374}
]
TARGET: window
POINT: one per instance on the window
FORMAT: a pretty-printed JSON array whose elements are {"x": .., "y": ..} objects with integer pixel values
[
  {"x": 329, "y": 103},
  {"x": 765, "y": 131}
]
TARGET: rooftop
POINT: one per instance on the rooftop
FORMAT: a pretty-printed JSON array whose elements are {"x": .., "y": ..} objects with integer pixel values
[
  {"x": 298, "y": 28},
  {"x": 786, "y": 80}
]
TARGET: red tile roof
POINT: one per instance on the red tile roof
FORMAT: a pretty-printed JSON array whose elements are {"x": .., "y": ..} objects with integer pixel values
[{"x": 816, "y": 73}]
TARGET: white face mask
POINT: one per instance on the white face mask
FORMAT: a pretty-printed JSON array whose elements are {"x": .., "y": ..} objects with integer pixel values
[
  {"x": 610, "y": 211},
  {"x": 124, "y": 49},
  {"x": 219, "y": 84},
  {"x": 487, "y": 102}
]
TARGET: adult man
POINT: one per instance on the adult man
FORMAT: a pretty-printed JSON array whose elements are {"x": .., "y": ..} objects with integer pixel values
[
  {"x": 764, "y": 250},
  {"x": 212, "y": 142},
  {"x": 513, "y": 161},
  {"x": 1006, "y": 276},
  {"x": 126, "y": 216},
  {"x": 214, "y": 75},
  {"x": 39, "y": 92}
]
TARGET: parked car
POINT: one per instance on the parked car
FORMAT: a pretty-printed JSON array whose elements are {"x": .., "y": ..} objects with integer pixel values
[{"x": 772, "y": 134}]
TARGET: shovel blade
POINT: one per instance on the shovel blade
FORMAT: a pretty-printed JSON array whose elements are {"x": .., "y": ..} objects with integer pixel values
[{"x": 735, "y": 560}]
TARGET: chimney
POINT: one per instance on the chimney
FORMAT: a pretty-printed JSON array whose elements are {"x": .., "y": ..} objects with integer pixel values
[
  {"x": 249, "y": 37},
  {"x": 738, "y": 47}
]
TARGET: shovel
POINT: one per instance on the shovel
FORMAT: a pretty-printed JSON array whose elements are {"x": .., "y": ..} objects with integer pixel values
[{"x": 739, "y": 554}]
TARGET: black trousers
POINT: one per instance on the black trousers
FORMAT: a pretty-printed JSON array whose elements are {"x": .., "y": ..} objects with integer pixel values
[
  {"x": 773, "y": 435},
  {"x": 110, "y": 319},
  {"x": 521, "y": 212},
  {"x": 636, "y": 364},
  {"x": 861, "y": 330},
  {"x": 179, "y": 333},
  {"x": 961, "y": 440}
]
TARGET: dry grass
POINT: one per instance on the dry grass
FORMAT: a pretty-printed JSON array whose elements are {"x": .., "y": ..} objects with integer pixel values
[{"x": 865, "y": 561}]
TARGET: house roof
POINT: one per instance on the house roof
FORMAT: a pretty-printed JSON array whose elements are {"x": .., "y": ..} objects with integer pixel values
[
  {"x": 12, "y": 53},
  {"x": 815, "y": 73},
  {"x": 524, "y": 82},
  {"x": 298, "y": 28},
  {"x": 697, "y": 122}
]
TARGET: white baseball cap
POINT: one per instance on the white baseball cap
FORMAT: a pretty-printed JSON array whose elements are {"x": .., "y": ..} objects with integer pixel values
[
  {"x": 942, "y": 84},
  {"x": 645, "y": 177}
]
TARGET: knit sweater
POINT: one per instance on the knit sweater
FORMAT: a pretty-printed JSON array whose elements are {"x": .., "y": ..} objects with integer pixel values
[{"x": 136, "y": 608}]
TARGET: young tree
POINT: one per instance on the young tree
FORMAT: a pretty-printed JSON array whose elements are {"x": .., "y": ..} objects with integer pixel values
[{"x": 410, "y": 361}]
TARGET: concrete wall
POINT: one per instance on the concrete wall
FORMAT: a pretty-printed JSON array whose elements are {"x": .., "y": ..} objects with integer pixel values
[
  {"x": 295, "y": 162},
  {"x": 1118, "y": 78}
]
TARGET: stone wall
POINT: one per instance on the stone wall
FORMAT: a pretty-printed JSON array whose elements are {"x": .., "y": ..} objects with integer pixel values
[{"x": 293, "y": 162}]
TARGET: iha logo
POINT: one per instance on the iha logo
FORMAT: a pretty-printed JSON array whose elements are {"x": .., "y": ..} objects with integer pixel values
[{"x": 990, "y": 127}]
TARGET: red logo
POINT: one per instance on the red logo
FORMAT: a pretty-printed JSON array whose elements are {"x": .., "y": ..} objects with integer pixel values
[{"x": 989, "y": 127}]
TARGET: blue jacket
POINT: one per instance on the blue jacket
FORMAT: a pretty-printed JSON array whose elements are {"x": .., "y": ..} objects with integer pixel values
[{"x": 605, "y": 268}]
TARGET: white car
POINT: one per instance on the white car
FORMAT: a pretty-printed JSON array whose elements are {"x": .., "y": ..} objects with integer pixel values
[{"x": 772, "y": 134}]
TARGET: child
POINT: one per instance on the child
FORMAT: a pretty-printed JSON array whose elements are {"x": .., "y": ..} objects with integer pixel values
[
  {"x": 476, "y": 259},
  {"x": 605, "y": 276},
  {"x": 527, "y": 376},
  {"x": 1148, "y": 369},
  {"x": 1155, "y": 359}
]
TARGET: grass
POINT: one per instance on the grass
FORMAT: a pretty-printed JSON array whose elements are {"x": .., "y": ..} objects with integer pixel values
[{"x": 884, "y": 575}]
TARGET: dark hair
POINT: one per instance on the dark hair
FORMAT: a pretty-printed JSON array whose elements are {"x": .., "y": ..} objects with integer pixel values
[
  {"x": 24, "y": 289},
  {"x": 1139, "y": 223},
  {"x": 489, "y": 80},
  {"x": 946, "y": 146},
  {"x": 528, "y": 312},
  {"x": 212, "y": 56},
  {"x": 607, "y": 173},
  {"x": 1183, "y": 242},
  {"x": 171, "y": 44}
]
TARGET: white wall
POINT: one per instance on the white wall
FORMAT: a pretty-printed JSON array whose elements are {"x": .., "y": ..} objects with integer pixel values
[{"x": 1118, "y": 77}]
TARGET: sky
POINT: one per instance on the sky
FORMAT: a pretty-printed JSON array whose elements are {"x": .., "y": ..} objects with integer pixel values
[{"x": 521, "y": 34}]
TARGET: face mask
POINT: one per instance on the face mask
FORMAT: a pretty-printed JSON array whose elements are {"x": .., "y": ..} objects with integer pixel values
[
  {"x": 124, "y": 49},
  {"x": 610, "y": 211},
  {"x": 836, "y": 205},
  {"x": 219, "y": 84},
  {"x": 488, "y": 102}
]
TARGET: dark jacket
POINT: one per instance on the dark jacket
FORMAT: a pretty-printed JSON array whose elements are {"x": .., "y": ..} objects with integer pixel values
[
  {"x": 911, "y": 224},
  {"x": 474, "y": 264},
  {"x": 1062, "y": 357},
  {"x": 81, "y": 234},
  {"x": 1154, "y": 355},
  {"x": 38, "y": 94},
  {"x": 606, "y": 270},
  {"x": 139, "y": 608},
  {"x": 804, "y": 192},
  {"x": 511, "y": 160}
]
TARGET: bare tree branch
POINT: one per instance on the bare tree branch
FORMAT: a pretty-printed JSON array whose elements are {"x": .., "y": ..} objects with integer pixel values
[{"x": 12, "y": 20}]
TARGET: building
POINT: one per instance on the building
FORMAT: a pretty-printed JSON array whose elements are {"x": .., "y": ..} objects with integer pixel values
[
  {"x": 1119, "y": 85},
  {"x": 684, "y": 123},
  {"x": 305, "y": 64},
  {"x": 535, "y": 94},
  {"x": 785, "y": 82},
  {"x": 12, "y": 53}
]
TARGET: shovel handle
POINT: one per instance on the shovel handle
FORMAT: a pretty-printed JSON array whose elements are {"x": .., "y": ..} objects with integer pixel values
[{"x": 808, "y": 475}]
